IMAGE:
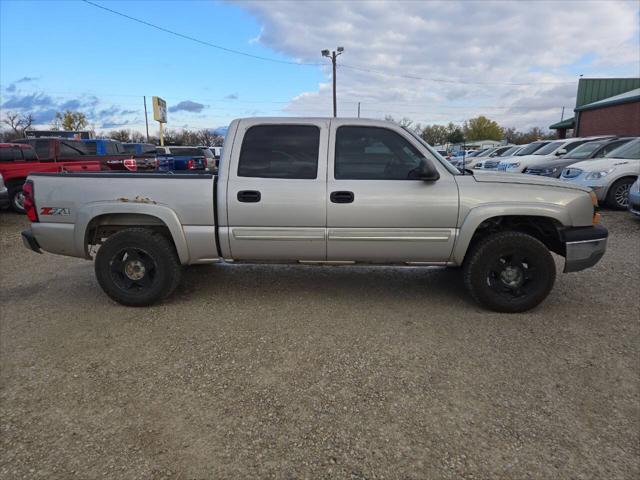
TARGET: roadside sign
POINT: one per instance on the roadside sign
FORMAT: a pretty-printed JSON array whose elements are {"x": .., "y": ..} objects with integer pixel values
[{"x": 159, "y": 110}]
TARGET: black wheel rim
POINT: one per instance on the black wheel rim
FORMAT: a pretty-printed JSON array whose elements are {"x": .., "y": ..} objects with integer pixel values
[
  {"x": 133, "y": 270},
  {"x": 513, "y": 276}
]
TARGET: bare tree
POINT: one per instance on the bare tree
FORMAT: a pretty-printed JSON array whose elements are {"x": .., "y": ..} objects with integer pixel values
[
  {"x": 138, "y": 137},
  {"x": 121, "y": 135},
  {"x": 18, "y": 123}
]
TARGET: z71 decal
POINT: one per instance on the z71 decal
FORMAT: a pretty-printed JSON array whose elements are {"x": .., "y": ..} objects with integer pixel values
[{"x": 54, "y": 211}]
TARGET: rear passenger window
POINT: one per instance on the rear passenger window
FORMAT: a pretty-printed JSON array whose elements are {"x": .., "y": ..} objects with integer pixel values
[
  {"x": 29, "y": 154},
  {"x": 42, "y": 148},
  {"x": 280, "y": 151},
  {"x": 72, "y": 149},
  {"x": 373, "y": 153},
  {"x": 8, "y": 154}
]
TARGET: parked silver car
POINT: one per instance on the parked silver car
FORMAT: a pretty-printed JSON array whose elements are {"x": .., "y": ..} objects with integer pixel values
[{"x": 610, "y": 177}]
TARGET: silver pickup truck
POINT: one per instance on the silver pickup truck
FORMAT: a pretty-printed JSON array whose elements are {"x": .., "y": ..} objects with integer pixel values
[{"x": 319, "y": 191}]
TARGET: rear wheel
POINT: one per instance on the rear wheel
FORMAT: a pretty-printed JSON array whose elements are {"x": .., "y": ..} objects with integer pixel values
[
  {"x": 618, "y": 195},
  {"x": 509, "y": 272},
  {"x": 137, "y": 267},
  {"x": 16, "y": 198}
]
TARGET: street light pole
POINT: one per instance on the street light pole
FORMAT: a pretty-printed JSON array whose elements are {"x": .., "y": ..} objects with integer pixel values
[{"x": 333, "y": 56}]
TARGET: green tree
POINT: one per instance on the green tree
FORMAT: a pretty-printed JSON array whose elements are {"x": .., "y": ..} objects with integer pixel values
[
  {"x": 434, "y": 134},
  {"x": 70, "y": 121},
  {"x": 454, "y": 133},
  {"x": 482, "y": 128}
]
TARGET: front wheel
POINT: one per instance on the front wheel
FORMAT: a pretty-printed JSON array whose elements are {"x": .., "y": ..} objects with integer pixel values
[
  {"x": 137, "y": 267},
  {"x": 618, "y": 196},
  {"x": 509, "y": 272}
]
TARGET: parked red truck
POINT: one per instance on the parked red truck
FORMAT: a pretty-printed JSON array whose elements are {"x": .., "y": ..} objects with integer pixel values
[
  {"x": 69, "y": 150},
  {"x": 17, "y": 160}
]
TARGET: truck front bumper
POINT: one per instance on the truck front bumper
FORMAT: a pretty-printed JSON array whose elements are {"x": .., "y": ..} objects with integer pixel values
[
  {"x": 30, "y": 242},
  {"x": 584, "y": 247}
]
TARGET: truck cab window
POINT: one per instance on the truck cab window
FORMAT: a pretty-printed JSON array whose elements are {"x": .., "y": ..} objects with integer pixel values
[
  {"x": 374, "y": 153},
  {"x": 42, "y": 148},
  {"x": 8, "y": 154},
  {"x": 280, "y": 151},
  {"x": 69, "y": 149},
  {"x": 29, "y": 154}
]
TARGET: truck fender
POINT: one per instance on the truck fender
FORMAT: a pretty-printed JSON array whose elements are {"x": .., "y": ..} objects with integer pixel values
[
  {"x": 162, "y": 213},
  {"x": 481, "y": 213}
]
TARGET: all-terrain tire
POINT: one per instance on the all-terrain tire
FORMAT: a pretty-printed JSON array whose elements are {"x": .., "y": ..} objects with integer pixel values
[
  {"x": 132, "y": 253},
  {"x": 509, "y": 272}
]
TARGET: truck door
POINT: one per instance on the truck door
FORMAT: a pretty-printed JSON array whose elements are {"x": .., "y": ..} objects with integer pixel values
[
  {"x": 377, "y": 211},
  {"x": 276, "y": 192}
]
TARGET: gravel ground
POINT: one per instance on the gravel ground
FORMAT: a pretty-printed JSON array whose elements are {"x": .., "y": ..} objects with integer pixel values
[{"x": 318, "y": 372}]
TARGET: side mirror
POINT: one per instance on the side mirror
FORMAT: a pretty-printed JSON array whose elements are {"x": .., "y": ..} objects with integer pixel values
[
  {"x": 562, "y": 151},
  {"x": 425, "y": 172}
]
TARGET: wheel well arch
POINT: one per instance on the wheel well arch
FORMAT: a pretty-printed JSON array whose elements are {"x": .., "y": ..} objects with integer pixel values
[
  {"x": 14, "y": 182},
  {"x": 104, "y": 225},
  {"x": 543, "y": 228}
]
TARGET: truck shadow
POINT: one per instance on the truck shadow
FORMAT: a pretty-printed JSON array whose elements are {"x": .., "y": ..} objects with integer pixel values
[{"x": 369, "y": 284}]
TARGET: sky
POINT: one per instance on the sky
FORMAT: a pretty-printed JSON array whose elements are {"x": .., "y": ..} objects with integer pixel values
[{"x": 517, "y": 62}]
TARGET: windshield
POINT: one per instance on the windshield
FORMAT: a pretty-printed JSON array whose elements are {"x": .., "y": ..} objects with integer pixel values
[
  {"x": 508, "y": 152},
  {"x": 628, "y": 150},
  {"x": 532, "y": 147},
  {"x": 486, "y": 153},
  {"x": 584, "y": 150},
  {"x": 552, "y": 147}
]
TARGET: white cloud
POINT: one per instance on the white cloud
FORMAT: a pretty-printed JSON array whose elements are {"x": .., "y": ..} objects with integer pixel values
[{"x": 470, "y": 51}]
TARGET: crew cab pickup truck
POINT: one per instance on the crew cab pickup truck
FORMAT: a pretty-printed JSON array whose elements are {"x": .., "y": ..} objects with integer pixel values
[
  {"x": 319, "y": 191},
  {"x": 18, "y": 160}
]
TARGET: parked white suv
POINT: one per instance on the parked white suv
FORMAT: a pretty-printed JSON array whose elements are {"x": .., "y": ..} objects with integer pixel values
[
  {"x": 610, "y": 177},
  {"x": 548, "y": 152}
]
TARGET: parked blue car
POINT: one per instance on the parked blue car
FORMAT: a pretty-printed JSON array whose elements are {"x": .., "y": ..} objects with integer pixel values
[{"x": 187, "y": 158}]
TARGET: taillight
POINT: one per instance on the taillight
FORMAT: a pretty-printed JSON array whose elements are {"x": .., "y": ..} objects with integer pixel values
[
  {"x": 191, "y": 164},
  {"x": 130, "y": 164},
  {"x": 29, "y": 202}
]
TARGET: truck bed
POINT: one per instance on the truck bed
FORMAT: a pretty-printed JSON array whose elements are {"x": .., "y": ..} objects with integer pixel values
[{"x": 184, "y": 202}]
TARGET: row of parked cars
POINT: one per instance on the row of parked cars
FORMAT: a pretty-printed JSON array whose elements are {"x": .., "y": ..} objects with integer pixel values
[
  {"x": 54, "y": 154},
  {"x": 608, "y": 165}
]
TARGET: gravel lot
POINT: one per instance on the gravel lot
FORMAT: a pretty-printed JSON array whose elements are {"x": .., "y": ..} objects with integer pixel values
[{"x": 318, "y": 372}]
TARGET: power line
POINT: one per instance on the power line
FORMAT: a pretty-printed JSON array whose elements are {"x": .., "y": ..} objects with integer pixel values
[
  {"x": 287, "y": 62},
  {"x": 193, "y": 39}
]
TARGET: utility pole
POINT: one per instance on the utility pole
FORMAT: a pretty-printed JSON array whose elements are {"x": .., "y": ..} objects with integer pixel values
[
  {"x": 562, "y": 116},
  {"x": 146, "y": 120},
  {"x": 358, "y": 109},
  {"x": 333, "y": 56}
]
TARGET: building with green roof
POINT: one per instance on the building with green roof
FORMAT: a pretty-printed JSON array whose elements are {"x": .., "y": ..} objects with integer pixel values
[{"x": 604, "y": 106}]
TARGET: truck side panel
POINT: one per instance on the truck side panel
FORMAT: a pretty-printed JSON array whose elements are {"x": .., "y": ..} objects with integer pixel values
[{"x": 68, "y": 203}]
